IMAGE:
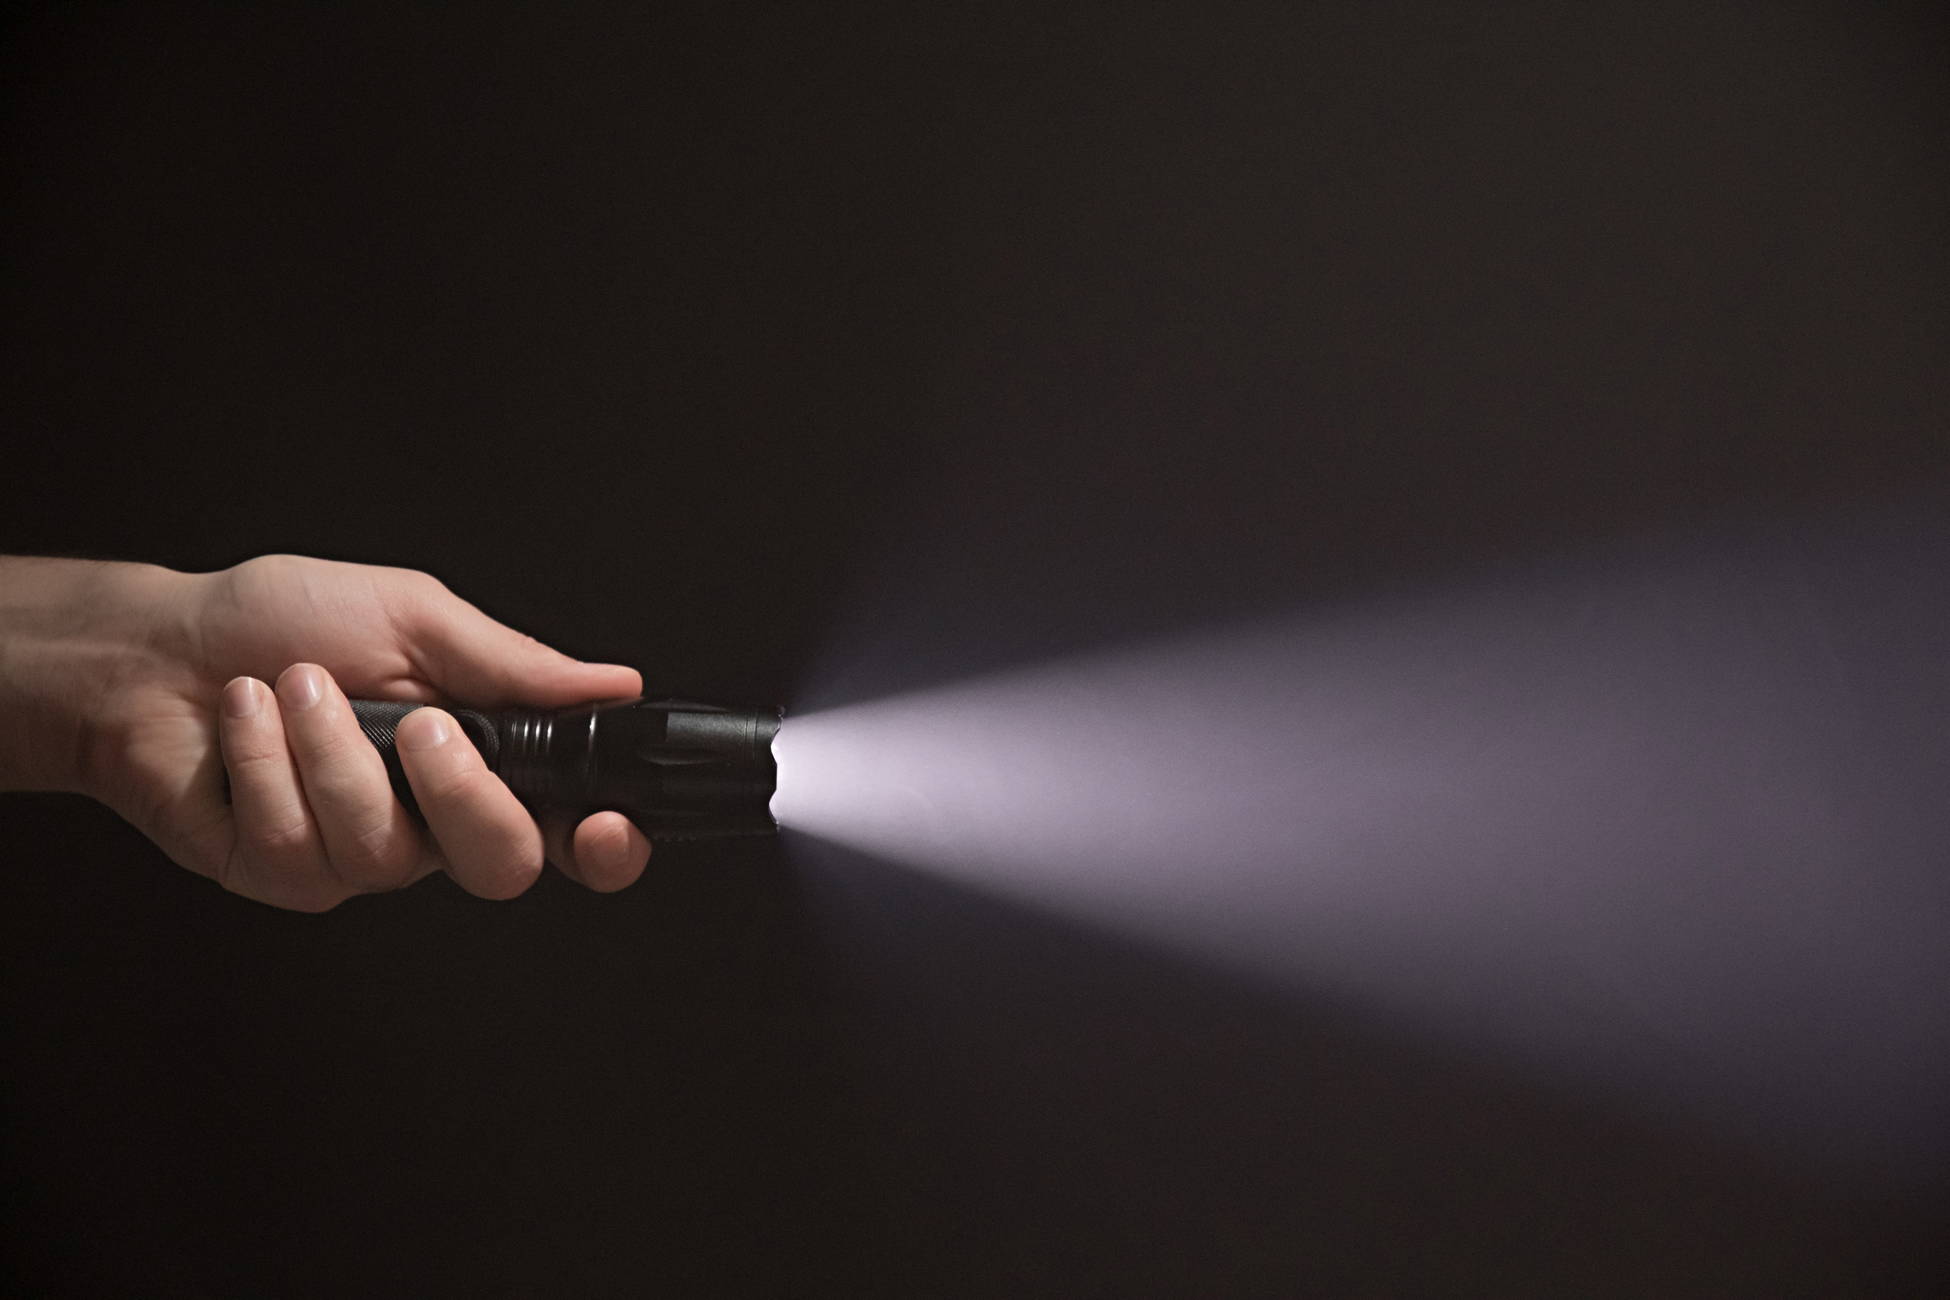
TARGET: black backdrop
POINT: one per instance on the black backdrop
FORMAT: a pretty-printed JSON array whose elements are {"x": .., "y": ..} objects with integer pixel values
[{"x": 727, "y": 344}]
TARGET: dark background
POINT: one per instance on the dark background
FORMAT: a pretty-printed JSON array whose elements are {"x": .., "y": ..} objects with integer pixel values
[{"x": 745, "y": 343}]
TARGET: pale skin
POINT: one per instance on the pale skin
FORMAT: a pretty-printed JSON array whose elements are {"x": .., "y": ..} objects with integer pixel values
[{"x": 141, "y": 686}]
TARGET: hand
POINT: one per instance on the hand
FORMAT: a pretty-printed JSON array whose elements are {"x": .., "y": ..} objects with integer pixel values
[{"x": 167, "y": 685}]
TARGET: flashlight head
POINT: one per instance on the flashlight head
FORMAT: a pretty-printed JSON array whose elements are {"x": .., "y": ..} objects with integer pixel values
[{"x": 678, "y": 770}]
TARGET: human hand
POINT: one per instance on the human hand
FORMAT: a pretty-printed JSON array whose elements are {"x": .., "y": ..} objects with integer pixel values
[{"x": 167, "y": 688}]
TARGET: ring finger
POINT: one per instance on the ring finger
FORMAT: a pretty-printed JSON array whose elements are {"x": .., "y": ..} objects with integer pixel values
[{"x": 279, "y": 850}]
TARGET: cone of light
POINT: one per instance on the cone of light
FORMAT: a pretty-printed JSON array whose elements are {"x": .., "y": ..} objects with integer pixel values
[{"x": 1663, "y": 820}]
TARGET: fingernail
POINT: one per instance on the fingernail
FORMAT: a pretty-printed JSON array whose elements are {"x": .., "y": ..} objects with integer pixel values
[
  {"x": 306, "y": 687},
  {"x": 432, "y": 734},
  {"x": 240, "y": 697}
]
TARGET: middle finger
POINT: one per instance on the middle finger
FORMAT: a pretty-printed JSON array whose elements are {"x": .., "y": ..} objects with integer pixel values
[
  {"x": 369, "y": 836},
  {"x": 492, "y": 846}
]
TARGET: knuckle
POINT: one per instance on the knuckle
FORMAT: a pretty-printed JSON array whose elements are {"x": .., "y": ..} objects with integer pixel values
[
  {"x": 269, "y": 567},
  {"x": 373, "y": 842},
  {"x": 374, "y": 857},
  {"x": 317, "y": 902},
  {"x": 508, "y": 878},
  {"x": 349, "y": 760},
  {"x": 272, "y": 868},
  {"x": 326, "y": 746},
  {"x": 498, "y": 865},
  {"x": 417, "y": 581},
  {"x": 251, "y": 760},
  {"x": 345, "y": 803},
  {"x": 521, "y": 869},
  {"x": 457, "y": 786},
  {"x": 282, "y": 841}
]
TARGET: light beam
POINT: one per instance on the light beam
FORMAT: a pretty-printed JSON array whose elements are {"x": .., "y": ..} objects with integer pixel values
[{"x": 1670, "y": 819}]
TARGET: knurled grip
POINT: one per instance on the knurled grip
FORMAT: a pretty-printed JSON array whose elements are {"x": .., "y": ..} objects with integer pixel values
[{"x": 379, "y": 720}]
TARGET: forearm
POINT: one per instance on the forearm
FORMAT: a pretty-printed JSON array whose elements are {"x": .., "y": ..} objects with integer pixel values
[{"x": 69, "y": 630}]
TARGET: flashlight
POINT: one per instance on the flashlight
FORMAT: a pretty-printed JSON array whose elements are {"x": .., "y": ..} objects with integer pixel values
[{"x": 680, "y": 771}]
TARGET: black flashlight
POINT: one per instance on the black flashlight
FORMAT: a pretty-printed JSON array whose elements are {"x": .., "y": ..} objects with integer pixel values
[{"x": 680, "y": 771}]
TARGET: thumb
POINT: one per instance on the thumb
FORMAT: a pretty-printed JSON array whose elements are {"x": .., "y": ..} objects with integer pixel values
[{"x": 473, "y": 659}]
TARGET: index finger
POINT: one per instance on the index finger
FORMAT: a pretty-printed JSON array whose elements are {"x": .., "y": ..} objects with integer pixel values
[{"x": 492, "y": 846}]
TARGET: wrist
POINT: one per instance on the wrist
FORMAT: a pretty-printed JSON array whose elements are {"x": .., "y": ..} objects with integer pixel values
[{"x": 72, "y": 634}]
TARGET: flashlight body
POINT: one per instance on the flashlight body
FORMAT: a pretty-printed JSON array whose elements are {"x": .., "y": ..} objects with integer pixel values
[{"x": 678, "y": 770}]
